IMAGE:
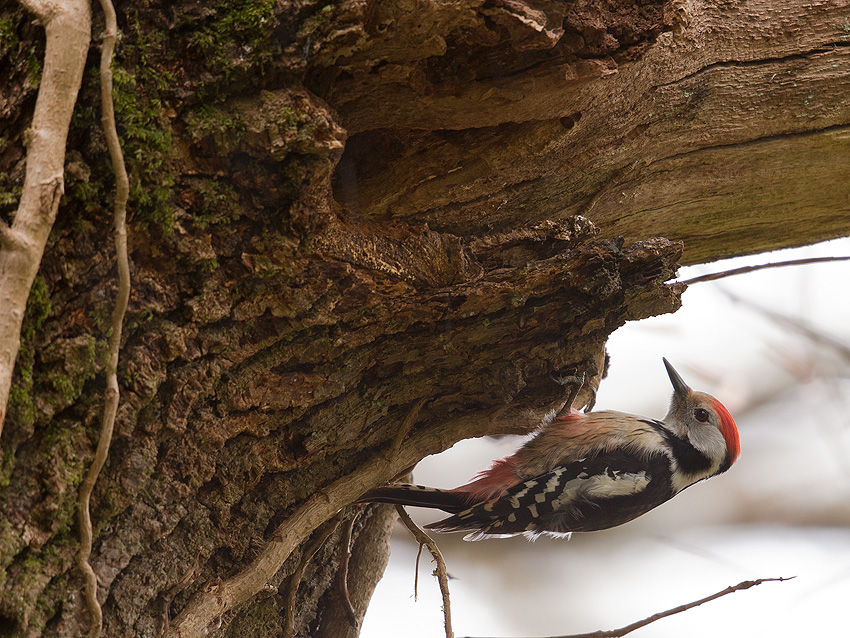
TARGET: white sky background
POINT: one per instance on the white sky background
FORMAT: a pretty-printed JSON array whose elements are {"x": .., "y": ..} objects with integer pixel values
[{"x": 782, "y": 510}]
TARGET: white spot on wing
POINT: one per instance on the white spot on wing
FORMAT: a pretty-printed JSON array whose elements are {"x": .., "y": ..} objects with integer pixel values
[
  {"x": 599, "y": 486},
  {"x": 621, "y": 484},
  {"x": 552, "y": 483}
]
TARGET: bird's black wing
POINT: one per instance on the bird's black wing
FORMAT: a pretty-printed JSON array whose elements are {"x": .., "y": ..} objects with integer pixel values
[{"x": 598, "y": 492}]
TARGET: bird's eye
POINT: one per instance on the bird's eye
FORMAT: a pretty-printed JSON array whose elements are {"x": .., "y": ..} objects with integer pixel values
[{"x": 701, "y": 415}]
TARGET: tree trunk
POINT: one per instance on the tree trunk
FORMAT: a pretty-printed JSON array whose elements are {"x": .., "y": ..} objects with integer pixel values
[{"x": 361, "y": 232}]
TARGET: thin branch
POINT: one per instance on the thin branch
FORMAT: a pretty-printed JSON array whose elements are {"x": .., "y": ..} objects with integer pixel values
[
  {"x": 166, "y": 598},
  {"x": 622, "y": 631},
  {"x": 342, "y": 573},
  {"x": 745, "y": 269},
  {"x": 111, "y": 395},
  {"x": 442, "y": 575},
  {"x": 416, "y": 574}
]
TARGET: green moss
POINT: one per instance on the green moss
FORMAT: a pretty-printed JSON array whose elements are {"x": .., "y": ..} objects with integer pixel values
[
  {"x": 69, "y": 367},
  {"x": 34, "y": 64},
  {"x": 146, "y": 141},
  {"x": 21, "y": 404},
  {"x": 10, "y": 195},
  {"x": 9, "y": 546},
  {"x": 294, "y": 173},
  {"x": 218, "y": 203},
  {"x": 235, "y": 33},
  {"x": 60, "y": 442},
  {"x": 39, "y": 598},
  {"x": 7, "y": 464},
  {"x": 318, "y": 20},
  {"x": 60, "y": 447},
  {"x": 289, "y": 118},
  {"x": 10, "y": 46},
  {"x": 141, "y": 89},
  {"x": 89, "y": 193},
  {"x": 227, "y": 128},
  {"x": 49, "y": 602},
  {"x": 208, "y": 265},
  {"x": 9, "y": 40}
]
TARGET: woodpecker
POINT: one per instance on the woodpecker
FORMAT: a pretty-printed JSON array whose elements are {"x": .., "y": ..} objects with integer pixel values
[{"x": 586, "y": 472}]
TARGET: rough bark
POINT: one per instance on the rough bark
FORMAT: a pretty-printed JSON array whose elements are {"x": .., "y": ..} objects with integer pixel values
[{"x": 348, "y": 216}]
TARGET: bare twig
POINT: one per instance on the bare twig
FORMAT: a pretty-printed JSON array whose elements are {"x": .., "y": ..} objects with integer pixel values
[
  {"x": 67, "y": 26},
  {"x": 745, "y": 269},
  {"x": 342, "y": 572},
  {"x": 622, "y": 631},
  {"x": 111, "y": 395},
  {"x": 295, "y": 580},
  {"x": 416, "y": 574},
  {"x": 166, "y": 598},
  {"x": 442, "y": 575}
]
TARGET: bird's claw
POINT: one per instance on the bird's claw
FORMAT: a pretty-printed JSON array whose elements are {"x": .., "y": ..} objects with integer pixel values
[{"x": 575, "y": 384}]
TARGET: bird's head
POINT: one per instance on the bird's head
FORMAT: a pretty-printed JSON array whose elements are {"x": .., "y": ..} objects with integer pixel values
[{"x": 704, "y": 422}]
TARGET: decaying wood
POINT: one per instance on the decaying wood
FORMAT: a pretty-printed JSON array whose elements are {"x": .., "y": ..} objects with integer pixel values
[
  {"x": 378, "y": 232},
  {"x": 729, "y": 131}
]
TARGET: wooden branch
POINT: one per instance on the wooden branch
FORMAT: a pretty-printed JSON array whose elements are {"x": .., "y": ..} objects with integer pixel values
[
  {"x": 745, "y": 269},
  {"x": 205, "y": 606},
  {"x": 442, "y": 575},
  {"x": 68, "y": 29},
  {"x": 342, "y": 572},
  {"x": 111, "y": 395},
  {"x": 622, "y": 631}
]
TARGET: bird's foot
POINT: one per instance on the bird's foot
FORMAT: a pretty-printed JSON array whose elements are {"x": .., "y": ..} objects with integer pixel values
[{"x": 574, "y": 384}]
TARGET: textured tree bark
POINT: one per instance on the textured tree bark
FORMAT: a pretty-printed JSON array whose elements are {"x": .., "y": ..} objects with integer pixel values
[{"x": 361, "y": 232}]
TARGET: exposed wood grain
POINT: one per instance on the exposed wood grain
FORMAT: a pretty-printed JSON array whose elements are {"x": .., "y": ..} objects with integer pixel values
[{"x": 735, "y": 117}]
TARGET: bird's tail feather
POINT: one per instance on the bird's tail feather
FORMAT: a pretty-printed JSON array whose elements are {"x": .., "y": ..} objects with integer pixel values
[{"x": 419, "y": 496}]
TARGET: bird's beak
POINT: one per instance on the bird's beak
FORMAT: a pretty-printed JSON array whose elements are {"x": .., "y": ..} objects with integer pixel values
[{"x": 679, "y": 386}]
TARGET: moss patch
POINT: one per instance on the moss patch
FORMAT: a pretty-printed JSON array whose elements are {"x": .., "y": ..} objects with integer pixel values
[
  {"x": 236, "y": 35},
  {"x": 146, "y": 140},
  {"x": 21, "y": 404}
]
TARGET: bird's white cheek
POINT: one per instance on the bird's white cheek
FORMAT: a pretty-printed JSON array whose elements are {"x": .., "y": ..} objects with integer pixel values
[{"x": 709, "y": 441}]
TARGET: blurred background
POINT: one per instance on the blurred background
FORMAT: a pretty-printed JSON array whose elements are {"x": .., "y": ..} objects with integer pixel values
[{"x": 774, "y": 347}]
